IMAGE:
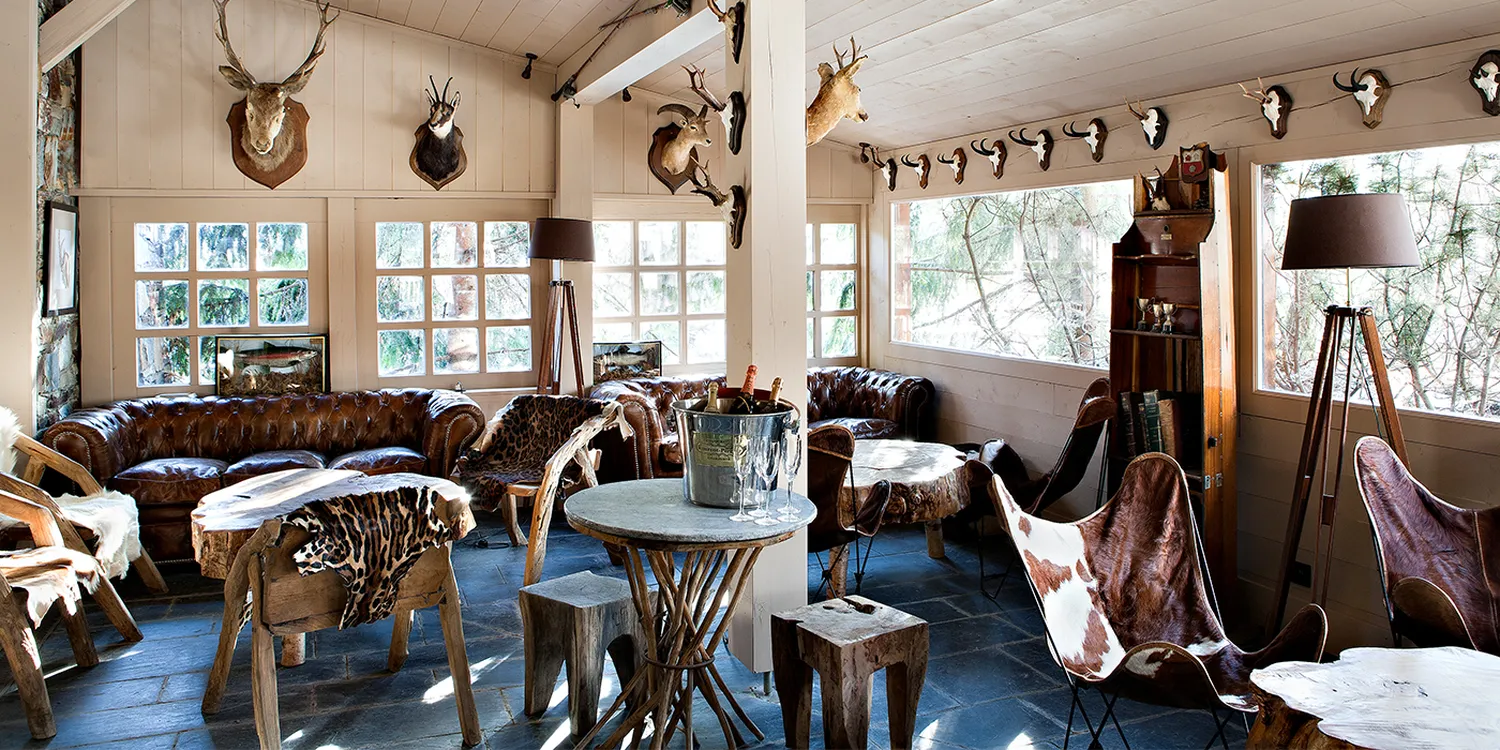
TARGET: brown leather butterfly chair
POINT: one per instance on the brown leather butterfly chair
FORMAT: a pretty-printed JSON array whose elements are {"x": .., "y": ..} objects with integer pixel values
[
  {"x": 1438, "y": 562},
  {"x": 1034, "y": 494},
  {"x": 830, "y": 451},
  {"x": 1128, "y": 606}
]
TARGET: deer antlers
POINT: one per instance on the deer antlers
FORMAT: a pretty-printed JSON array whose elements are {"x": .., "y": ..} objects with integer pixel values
[
  {"x": 695, "y": 82},
  {"x": 854, "y": 55},
  {"x": 242, "y": 79},
  {"x": 1259, "y": 94}
]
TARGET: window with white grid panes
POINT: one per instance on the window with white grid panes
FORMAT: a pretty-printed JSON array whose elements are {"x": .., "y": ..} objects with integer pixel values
[
  {"x": 662, "y": 280},
  {"x": 833, "y": 294},
  {"x": 192, "y": 281},
  {"x": 452, "y": 301}
]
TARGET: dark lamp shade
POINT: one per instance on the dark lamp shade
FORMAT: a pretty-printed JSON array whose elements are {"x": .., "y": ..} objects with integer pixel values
[
  {"x": 1349, "y": 231},
  {"x": 563, "y": 239}
]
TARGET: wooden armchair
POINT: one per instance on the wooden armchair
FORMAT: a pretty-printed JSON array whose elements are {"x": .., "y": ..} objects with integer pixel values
[
  {"x": 1436, "y": 567},
  {"x": 830, "y": 450},
  {"x": 1128, "y": 606},
  {"x": 40, "y": 459},
  {"x": 31, "y": 581}
]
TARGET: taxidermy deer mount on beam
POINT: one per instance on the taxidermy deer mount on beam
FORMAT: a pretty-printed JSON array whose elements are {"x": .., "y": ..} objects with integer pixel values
[
  {"x": 734, "y": 25},
  {"x": 1275, "y": 106},
  {"x": 1485, "y": 78},
  {"x": 734, "y": 204},
  {"x": 871, "y": 155},
  {"x": 996, "y": 153},
  {"x": 957, "y": 162},
  {"x": 438, "y": 155},
  {"x": 1371, "y": 90},
  {"x": 1153, "y": 123},
  {"x": 268, "y": 129},
  {"x": 837, "y": 96},
  {"x": 674, "y": 146},
  {"x": 732, "y": 114},
  {"x": 922, "y": 167},
  {"x": 1041, "y": 146},
  {"x": 1093, "y": 135}
]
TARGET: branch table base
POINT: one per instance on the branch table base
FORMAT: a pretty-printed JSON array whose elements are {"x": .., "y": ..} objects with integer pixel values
[{"x": 653, "y": 521}]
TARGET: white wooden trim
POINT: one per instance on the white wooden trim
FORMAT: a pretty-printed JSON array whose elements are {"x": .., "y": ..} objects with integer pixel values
[{"x": 71, "y": 26}]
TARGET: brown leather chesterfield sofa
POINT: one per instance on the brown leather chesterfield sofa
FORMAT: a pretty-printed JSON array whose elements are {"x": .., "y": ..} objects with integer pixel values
[
  {"x": 871, "y": 403},
  {"x": 169, "y": 452}
]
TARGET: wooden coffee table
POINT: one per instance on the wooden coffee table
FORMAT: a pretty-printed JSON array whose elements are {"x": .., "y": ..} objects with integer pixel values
[
  {"x": 928, "y": 484},
  {"x": 226, "y": 519}
]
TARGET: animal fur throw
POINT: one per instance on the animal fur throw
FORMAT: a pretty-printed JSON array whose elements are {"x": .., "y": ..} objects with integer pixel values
[
  {"x": 372, "y": 541},
  {"x": 49, "y": 574}
]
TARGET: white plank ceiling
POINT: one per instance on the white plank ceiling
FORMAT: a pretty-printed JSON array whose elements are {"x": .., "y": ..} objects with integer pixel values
[{"x": 940, "y": 68}]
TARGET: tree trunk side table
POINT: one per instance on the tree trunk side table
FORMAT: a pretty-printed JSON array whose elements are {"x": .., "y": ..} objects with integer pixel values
[{"x": 652, "y": 520}]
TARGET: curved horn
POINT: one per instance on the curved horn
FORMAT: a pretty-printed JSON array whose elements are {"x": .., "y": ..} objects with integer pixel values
[
  {"x": 681, "y": 110},
  {"x": 948, "y": 160},
  {"x": 1023, "y": 140},
  {"x": 1140, "y": 114},
  {"x": 1072, "y": 132},
  {"x": 433, "y": 81},
  {"x": 1353, "y": 86},
  {"x": 908, "y": 162},
  {"x": 980, "y": 148},
  {"x": 448, "y": 83}
]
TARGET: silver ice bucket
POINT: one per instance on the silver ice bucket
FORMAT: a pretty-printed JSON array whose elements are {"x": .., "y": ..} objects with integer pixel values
[{"x": 712, "y": 443}]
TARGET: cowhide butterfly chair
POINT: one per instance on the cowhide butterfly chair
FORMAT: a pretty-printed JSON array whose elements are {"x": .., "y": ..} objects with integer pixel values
[
  {"x": 830, "y": 453},
  {"x": 1034, "y": 494},
  {"x": 1438, "y": 562},
  {"x": 1129, "y": 608},
  {"x": 536, "y": 446}
]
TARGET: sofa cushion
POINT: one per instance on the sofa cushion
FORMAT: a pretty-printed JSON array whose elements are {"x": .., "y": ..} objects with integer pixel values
[
  {"x": 170, "y": 481},
  {"x": 272, "y": 461},
  {"x": 864, "y": 428},
  {"x": 381, "y": 461}
]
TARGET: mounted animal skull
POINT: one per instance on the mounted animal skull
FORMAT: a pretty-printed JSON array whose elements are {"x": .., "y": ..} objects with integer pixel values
[
  {"x": 922, "y": 167},
  {"x": 1371, "y": 90},
  {"x": 438, "y": 155},
  {"x": 996, "y": 154},
  {"x": 732, "y": 204},
  {"x": 958, "y": 161},
  {"x": 1485, "y": 78},
  {"x": 837, "y": 96},
  {"x": 1156, "y": 192},
  {"x": 871, "y": 155},
  {"x": 1094, "y": 136},
  {"x": 732, "y": 114},
  {"x": 1041, "y": 146},
  {"x": 1153, "y": 123},
  {"x": 1275, "y": 105},
  {"x": 673, "y": 146},
  {"x": 268, "y": 129},
  {"x": 734, "y": 25}
]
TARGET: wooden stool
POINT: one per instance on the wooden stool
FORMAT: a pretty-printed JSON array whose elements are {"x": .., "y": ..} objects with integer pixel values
[
  {"x": 848, "y": 640},
  {"x": 576, "y": 619}
]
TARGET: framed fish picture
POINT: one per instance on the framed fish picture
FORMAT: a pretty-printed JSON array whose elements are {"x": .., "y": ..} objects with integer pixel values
[
  {"x": 626, "y": 359},
  {"x": 269, "y": 365}
]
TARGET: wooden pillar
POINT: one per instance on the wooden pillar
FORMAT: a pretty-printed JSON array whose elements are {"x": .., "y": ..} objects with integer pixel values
[
  {"x": 766, "y": 285},
  {"x": 575, "y": 200},
  {"x": 18, "y": 286}
]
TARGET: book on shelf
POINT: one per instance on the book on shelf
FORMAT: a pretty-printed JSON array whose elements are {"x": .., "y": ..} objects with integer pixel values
[
  {"x": 1171, "y": 428},
  {"x": 1151, "y": 420},
  {"x": 1128, "y": 423}
]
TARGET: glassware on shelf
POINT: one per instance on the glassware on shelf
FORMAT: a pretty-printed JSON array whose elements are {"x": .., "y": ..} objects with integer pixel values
[{"x": 766, "y": 469}]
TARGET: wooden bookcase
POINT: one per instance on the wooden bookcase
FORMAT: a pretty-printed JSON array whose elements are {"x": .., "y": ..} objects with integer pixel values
[{"x": 1182, "y": 256}]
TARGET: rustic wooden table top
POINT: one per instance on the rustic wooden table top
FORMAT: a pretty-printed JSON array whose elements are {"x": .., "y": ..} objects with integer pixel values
[
  {"x": 1383, "y": 699},
  {"x": 225, "y": 519},
  {"x": 928, "y": 482},
  {"x": 655, "y": 512}
]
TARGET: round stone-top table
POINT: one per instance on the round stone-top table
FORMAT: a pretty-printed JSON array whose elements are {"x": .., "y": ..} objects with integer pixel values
[
  {"x": 652, "y": 519},
  {"x": 1381, "y": 699},
  {"x": 928, "y": 483}
]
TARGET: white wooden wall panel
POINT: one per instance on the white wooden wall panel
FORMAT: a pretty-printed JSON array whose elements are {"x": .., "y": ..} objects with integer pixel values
[{"x": 156, "y": 103}]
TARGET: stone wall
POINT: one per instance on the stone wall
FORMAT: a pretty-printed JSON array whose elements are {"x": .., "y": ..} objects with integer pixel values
[{"x": 57, "y": 385}]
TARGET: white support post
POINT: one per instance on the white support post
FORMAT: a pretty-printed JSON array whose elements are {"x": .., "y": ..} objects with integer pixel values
[
  {"x": 18, "y": 288},
  {"x": 575, "y": 200},
  {"x": 766, "y": 284}
]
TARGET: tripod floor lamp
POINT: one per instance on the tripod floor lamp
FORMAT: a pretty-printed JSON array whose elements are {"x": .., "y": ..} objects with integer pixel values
[
  {"x": 1339, "y": 232},
  {"x": 560, "y": 240}
]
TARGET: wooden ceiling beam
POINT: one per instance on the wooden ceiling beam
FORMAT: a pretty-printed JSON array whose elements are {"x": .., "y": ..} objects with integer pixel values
[
  {"x": 71, "y": 26},
  {"x": 641, "y": 47}
]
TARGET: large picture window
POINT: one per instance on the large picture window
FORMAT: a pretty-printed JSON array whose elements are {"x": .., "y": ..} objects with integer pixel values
[
  {"x": 1018, "y": 274},
  {"x": 833, "y": 294},
  {"x": 1439, "y": 322},
  {"x": 662, "y": 280}
]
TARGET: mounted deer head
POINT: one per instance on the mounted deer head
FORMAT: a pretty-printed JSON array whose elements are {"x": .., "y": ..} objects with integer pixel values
[
  {"x": 1485, "y": 78},
  {"x": 1094, "y": 136},
  {"x": 996, "y": 154},
  {"x": 672, "y": 146},
  {"x": 922, "y": 167},
  {"x": 871, "y": 155},
  {"x": 958, "y": 161},
  {"x": 268, "y": 129},
  {"x": 1041, "y": 146},
  {"x": 734, "y": 25},
  {"x": 1275, "y": 105},
  {"x": 837, "y": 97},
  {"x": 438, "y": 156},
  {"x": 1371, "y": 90},
  {"x": 1153, "y": 123},
  {"x": 731, "y": 114},
  {"x": 732, "y": 204},
  {"x": 1156, "y": 192}
]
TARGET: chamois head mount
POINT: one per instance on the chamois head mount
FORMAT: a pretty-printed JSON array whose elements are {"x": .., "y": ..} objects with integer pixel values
[
  {"x": 922, "y": 166},
  {"x": 1093, "y": 136},
  {"x": 438, "y": 155},
  {"x": 1371, "y": 90},
  {"x": 1041, "y": 146},
  {"x": 995, "y": 152},
  {"x": 957, "y": 162}
]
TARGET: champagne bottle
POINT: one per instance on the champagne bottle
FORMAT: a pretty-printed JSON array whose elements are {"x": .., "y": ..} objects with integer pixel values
[
  {"x": 748, "y": 389},
  {"x": 711, "y": 402},
  {"x": 774, "y": 404}
]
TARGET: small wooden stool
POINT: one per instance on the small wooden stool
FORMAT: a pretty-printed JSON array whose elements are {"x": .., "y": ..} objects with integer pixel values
[
  {"x": 575, "y": 620},
  {"x": 848, "y": 640}
]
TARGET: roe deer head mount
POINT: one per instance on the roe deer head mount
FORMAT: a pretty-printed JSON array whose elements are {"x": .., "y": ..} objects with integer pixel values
[
  {"x": 837, "y": 97},
  {"x": 1275, "y": 106}
]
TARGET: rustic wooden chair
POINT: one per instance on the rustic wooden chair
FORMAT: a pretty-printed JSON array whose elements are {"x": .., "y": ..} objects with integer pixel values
[
  {"x": 1128, "y": 606},
  {"x": 1439, "y": 583},
  {"x": 31, "y": 581},
  {"x": 830, "y": 451},
  {"x": 40, "y": 459},
  {"x": 284, "y": 602}
]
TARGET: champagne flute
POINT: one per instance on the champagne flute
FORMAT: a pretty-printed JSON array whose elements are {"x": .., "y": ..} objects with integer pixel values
[
  {"x": 766, "y": 470},
  {"x": 792, "y": 463},
  {"x": 740, "y": 455}
]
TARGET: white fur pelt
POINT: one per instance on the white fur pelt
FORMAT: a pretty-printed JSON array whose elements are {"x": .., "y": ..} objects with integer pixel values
[
  {"x": 9, "y": 430},
  {"x": 113, "y": 519},
  {"x": 50, "y": 575}
]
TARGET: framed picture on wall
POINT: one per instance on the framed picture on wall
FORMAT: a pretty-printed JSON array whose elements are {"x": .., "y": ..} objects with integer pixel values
[
  {"x": 60, "y": 260},
  {"x": 627, "y": 359},
  {"x": 269, "y": 365}
]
